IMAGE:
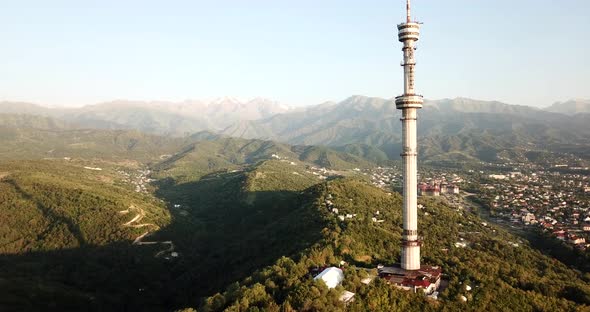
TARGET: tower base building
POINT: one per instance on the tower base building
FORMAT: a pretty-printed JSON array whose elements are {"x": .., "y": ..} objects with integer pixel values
[{"x": 426, "y": 278}]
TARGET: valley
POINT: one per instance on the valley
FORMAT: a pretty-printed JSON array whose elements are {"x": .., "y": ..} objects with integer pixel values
[
  {"x": 410, "y": 156},
  {"x": 119, "y": 219}
]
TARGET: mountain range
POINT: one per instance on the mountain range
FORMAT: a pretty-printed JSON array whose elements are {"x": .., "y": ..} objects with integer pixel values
[
  {"x": 37, "y": 137},
  {"x": 571, "y": 107},
  {"x": 468, "y": 128},
  {"x": 458, "y": 129},
  {"x": 157, "y": 117}
]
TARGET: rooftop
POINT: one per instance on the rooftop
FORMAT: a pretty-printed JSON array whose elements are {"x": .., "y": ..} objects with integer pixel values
[{"x": 421, "y": 278}]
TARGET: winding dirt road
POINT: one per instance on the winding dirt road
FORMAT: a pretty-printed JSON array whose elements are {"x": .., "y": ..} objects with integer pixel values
[{"x": 139, "y": 240}]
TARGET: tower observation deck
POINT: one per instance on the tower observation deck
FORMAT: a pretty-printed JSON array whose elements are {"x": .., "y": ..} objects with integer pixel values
[{"x": 408, "y": 103}]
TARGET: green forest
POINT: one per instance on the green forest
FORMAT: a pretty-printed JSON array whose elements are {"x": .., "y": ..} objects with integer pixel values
[
  {"x": 503, "y": 277},
  {"x": 226, "y": 226},
  {"x": 49, "y": 206}
]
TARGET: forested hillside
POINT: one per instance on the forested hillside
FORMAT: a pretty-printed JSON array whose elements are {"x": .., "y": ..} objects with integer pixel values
[
  {"x": 502, "y": 271},
  {"x": 235, "y": 224},
  {"x": 22, "y": 142},
  {"x": 252, "y": 235},
  {"x": 33, "y": 137},
  {"x": 23, "y": 121},
  {"x": 229, "y": 224},
  {"x": 50, "y": 205},
  {"x": 81, "y": 237},
  {"x": 66, "y": 235},
  {"x": 213, "y": 153}
]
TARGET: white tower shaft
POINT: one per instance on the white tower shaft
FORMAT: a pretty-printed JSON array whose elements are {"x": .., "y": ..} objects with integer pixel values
[{"x": 409, "y": 102}]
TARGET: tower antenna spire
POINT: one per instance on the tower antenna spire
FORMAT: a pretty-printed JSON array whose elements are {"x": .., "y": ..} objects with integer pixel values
[{"x": 408, "y": 11}]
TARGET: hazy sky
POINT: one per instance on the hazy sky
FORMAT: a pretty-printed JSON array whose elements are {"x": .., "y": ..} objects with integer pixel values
[{"x": 531, "y": 52}]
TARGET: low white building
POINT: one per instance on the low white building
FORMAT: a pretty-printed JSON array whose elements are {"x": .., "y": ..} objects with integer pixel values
[{"x": 332, "y": 276}]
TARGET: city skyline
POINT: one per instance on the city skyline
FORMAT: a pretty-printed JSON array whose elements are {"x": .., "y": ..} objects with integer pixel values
[{"x": 295, "y": 53}]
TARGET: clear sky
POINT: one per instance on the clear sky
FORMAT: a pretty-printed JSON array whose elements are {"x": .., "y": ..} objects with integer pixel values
[{"x": 299, "y": 52}]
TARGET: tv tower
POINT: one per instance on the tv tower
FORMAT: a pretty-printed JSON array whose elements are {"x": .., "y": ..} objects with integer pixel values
[{"x": 409, "y": 102}]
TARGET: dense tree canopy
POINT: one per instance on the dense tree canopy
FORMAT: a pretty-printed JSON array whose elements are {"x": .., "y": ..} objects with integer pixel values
[{"x": 247, "y": 240}]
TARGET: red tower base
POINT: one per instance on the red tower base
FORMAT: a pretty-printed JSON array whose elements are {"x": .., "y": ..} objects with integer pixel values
[{"x": 427, "y": 278}]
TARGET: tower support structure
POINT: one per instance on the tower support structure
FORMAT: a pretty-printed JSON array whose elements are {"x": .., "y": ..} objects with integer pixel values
[{"x": 409, "y": 102}]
